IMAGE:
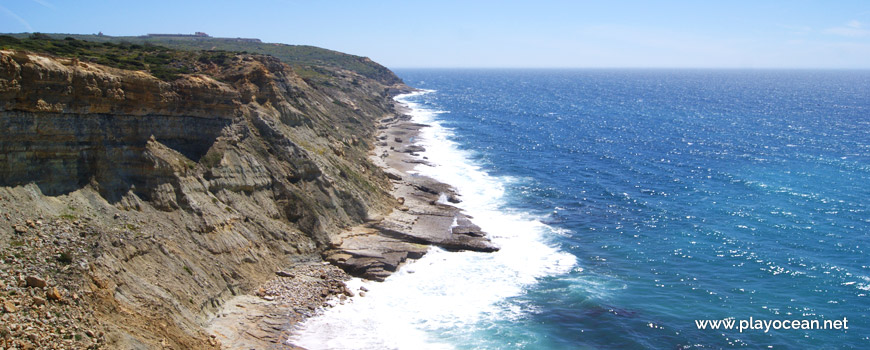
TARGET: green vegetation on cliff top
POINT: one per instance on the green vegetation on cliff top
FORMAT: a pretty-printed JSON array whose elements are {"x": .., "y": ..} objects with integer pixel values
[
  {"x": 168, "y": 54},
  {"x": 162, "y": 62}
]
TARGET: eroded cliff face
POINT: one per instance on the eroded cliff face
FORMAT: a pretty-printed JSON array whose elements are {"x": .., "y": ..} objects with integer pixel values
[{"x": 183, "y": 193}]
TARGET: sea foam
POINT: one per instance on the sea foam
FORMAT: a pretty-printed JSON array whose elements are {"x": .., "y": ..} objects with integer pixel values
[{"x": 436, "y": 301}]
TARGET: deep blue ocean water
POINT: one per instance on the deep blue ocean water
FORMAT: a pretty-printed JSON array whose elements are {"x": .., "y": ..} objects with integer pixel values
[{"x": 668, "y": 196}]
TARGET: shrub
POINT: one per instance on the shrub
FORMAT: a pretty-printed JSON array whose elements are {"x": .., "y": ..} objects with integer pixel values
[{"x": 64, "y": 258}]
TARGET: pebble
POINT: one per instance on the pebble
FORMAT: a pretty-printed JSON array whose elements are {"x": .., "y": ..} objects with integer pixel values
[
  {"x": 31, "y": 315},
  {"x": 312, "y": 286},
  {"x": 54, "y": 294},
  {"x": 36, "y": 282},
  {"x": 9, "y": 306}
]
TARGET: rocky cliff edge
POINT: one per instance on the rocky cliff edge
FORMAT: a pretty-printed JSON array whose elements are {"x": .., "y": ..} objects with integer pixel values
[{"x": 141, "y": 205}]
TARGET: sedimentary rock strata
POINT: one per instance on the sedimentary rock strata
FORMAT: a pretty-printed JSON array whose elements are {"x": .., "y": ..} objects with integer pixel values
[{"x": 168, "y": 198}]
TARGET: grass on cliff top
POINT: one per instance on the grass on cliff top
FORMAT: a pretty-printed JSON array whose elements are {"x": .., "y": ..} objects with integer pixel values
[
  {"x": 303, "y": 58},
  {"x": 162, "y": 62}
]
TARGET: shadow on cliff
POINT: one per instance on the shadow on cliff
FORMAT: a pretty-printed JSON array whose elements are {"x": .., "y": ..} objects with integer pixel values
[{"x": 61, "y": 153}]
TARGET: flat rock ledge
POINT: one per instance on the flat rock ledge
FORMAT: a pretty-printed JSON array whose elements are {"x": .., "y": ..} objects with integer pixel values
[
  {"x": 376, "y": 250},
  {"x": 423, "y": 216}
]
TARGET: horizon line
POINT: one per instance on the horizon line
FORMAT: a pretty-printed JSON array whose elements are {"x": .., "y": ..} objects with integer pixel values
[{"x": 631, "y": 68}]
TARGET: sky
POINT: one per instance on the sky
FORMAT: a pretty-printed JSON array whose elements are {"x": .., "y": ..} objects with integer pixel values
[{"x": 498, "y": 34}]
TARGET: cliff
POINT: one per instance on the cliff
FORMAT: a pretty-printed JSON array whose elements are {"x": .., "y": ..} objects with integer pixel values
[{"x": 144, "y": 204}]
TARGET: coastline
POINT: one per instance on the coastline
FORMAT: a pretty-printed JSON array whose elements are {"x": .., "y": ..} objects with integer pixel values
[{"x": 422, "y": 216}]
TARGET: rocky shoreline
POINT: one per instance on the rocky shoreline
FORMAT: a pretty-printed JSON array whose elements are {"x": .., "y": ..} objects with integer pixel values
[
  {"x": 214, "y": 210},
  {"x": 266, "y": 318},
  {"x": 373, "y": 250},
  {"x": 424, "y": 216}
]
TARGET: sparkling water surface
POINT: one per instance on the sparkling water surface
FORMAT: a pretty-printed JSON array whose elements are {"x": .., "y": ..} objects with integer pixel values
[{"x": 631, "y": 203}]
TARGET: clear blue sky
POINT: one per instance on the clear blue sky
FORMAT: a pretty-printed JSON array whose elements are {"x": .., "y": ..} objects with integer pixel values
[{"x": 469, "y": 33}]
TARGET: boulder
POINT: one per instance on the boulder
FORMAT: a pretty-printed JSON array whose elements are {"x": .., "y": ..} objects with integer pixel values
[
  {"x": 413, "y": 149},
  {"x": 393, "y": 175},
  {"x": 472, "y": 230},
  {"x": 464, "y": 226},
  {"x": 417, "y": 161}
]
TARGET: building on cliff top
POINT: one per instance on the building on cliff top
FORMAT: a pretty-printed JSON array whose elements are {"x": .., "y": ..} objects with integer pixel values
[{"x": 198, "y": 35}]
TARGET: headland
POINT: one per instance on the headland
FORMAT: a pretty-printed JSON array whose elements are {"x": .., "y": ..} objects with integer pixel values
[{"x": 151, "y": 194}]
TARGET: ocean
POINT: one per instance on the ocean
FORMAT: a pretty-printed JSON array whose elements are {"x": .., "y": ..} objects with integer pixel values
[{"x": 631, "y": 205}]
